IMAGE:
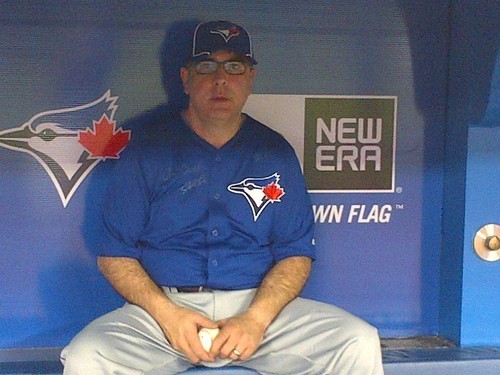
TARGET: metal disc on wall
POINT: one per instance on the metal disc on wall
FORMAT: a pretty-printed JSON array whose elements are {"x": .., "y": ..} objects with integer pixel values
[{"x": 487, "y": 242}]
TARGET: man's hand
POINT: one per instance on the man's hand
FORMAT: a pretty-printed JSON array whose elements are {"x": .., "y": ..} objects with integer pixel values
[
  {"x": 239, "y": 337},
  {"x": 181, "y": 327}
]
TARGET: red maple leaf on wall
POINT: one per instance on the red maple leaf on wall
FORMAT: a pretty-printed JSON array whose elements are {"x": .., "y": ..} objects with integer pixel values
[
  {"x": 104, "y": 141},
  {"x": 273, "y": 192}
]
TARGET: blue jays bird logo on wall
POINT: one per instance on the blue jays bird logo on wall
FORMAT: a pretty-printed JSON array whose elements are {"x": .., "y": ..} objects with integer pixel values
[
  {"x": 259, "y": 192},
  {"x": 70, "y": 142}
]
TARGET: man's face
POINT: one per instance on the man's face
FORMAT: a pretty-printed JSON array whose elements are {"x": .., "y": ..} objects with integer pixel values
[{"x": 218, "y": 96}]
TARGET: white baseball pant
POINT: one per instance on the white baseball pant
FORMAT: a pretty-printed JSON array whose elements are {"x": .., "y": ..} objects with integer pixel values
[{"x": 308, "y": 337}]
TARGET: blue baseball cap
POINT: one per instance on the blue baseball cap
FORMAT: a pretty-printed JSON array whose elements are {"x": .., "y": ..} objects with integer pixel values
[{"x": 210, "y": 37}]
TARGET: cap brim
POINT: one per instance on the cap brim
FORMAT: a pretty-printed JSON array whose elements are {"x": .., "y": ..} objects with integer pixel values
[{"x": 206, "y": 56}]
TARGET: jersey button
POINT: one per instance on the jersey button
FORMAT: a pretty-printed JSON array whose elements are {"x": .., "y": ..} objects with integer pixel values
[
  {"x": 215, "y": 263},
  {"x": 217, "y": 196},
  {"x": 218, "y": 158},
  {"x": 215, "y": 232}
]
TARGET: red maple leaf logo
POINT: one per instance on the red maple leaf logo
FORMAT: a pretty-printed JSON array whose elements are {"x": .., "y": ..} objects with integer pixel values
[
  {"x": 233, "y": 31},
  {"x": 104, "y": 141},
  {"x": 273, "y": 192}
]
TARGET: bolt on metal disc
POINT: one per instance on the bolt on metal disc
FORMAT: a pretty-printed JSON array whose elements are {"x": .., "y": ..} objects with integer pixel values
[{"x": 487, "y": 242}]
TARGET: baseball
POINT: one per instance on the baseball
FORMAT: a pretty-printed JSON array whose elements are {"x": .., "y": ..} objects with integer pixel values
[{"x": 207, "y": 336}]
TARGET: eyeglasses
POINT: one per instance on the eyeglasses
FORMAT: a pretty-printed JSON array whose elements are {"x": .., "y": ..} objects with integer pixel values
[{"x": 230, "y": 67}]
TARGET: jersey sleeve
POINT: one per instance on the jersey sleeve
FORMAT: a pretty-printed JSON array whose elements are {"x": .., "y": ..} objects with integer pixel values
[
  {"x": 125, "y": 208},
  {"x": 293, "y": 224}
]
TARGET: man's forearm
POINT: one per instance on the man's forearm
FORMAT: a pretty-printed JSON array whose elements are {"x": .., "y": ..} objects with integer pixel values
[
  {"x": 180, "y": 325},
  {"x": 282, "y": 284},
  {"x": 131, "y": 281}
]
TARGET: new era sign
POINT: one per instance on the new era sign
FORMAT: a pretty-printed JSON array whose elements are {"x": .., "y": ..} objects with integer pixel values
[
  {"x": 345, "y": 143},
  {"x": 349, "y": 144}
]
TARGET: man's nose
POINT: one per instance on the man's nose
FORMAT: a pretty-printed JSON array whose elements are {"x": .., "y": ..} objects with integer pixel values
[{"x": 220, "y": 76}]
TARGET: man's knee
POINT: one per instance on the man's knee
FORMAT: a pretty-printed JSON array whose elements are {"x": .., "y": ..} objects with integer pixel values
[
  {"x": 366, "y": 333},
  {"x": 81, "y": 354},
  {"x": 363, "y": 336},
  {"x": 362, "y": 353}
]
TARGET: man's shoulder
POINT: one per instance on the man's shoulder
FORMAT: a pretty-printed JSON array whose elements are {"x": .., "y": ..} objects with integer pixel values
[{"x": 263, "y": 132}]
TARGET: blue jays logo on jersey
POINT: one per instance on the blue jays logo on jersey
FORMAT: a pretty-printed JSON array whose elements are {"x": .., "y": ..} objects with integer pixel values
[
  {"x": 70, "y": 142},
  {"x": 259, "y": 192},
  {"x": 226, "y": 33}
]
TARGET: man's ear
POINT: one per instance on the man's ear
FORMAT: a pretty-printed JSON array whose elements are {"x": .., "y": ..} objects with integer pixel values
[
  {"x": 253, "y": 73},
  {"x": 184, "y": 73}
]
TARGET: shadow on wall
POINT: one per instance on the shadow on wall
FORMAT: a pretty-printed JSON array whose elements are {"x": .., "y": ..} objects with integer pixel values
[
  {"x": 73, "y": 291},
  {"x": 175, "y": 51}
]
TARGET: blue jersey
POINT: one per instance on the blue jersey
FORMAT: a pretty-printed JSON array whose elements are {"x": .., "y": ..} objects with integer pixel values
[{"x": 194, "y": 215}]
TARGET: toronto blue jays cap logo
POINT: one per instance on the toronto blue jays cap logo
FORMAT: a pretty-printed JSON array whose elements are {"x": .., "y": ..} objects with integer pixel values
[
  {"x": 210, "y": 37},
  {"x": 70, "y": 142},
  {"x": 259, "y": 192},
  {"x": 226, "y": 34}
]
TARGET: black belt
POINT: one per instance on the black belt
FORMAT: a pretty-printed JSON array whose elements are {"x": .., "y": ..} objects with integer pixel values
[{"x": 190, "y": 289}]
